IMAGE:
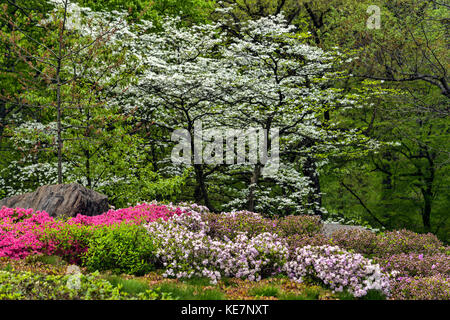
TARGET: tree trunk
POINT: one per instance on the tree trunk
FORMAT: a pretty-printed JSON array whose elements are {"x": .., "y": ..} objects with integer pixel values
[
  {"x": 201, "y": 186},
  {"x": 253, "y": 182},
  {"x": 58, "y": 93},
  {"x": 315, "y": 196},
  {"x": 58, "y": 120},
  {"x": 426, "y": 213}
]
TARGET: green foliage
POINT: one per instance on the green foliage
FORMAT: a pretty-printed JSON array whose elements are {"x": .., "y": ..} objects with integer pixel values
[
  {"x": 30, "y": 286},
  {"x": 33, "y": 286},
  {"x": 122, "y": 249},
  {"x": 191, "y": 11}
]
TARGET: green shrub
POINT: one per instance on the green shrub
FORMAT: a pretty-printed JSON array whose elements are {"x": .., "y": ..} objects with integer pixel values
[{"x": 123, "y": 248}]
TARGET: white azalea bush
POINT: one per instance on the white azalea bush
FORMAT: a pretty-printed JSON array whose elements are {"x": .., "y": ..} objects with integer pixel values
[
  {"x": 338, "y": 269},
  {"x": 186, "y": 250}
]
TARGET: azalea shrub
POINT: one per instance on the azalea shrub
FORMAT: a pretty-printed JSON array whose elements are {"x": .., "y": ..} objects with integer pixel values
[
  {"x": 230, "y": 224},
  {"x": 141, "y": 213},
  {"x": 299, "y": 225},
  {"x": 24, "y": 232},
  {"x": 388, "y": 243},
  {"x": 299, "y": 241},
  {"x": 21, "y": 231},
  {"x": 436, "y": 287},
  {"x": 416, "y": 264},
  {"x": 405, "y": 241},
  {"x": 338, "y": 269},
  {"x": 360, "y": 241},
  {"x": 185, "y": 253}
]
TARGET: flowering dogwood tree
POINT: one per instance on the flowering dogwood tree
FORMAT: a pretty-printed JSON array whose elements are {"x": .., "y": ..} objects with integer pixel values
[
  {"x": 267, "y": 77},
  {"x": 182, "y": 81},
  {"x": 284, "y": 83}
]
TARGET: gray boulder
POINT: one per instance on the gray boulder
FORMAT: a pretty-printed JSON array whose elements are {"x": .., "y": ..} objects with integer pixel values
[
  {"x": 61, "y": 200},
  {"x": 329, "y": 228}
]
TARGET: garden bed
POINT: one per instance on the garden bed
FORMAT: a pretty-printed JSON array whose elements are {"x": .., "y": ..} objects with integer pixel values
[{"x": 186, "y": 252}]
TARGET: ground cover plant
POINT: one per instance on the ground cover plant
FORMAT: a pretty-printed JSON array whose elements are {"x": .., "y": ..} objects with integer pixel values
[{"x": 188, "y": 242}]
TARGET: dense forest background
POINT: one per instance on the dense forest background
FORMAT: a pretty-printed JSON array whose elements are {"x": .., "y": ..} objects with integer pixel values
[{"x": 92, "y": 108}]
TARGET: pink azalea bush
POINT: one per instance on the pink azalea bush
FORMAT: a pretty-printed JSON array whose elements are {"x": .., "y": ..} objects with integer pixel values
[
  {"x": 388, "y": 243},
  {"x": 338, "y": 269},
  {"x": 416, "y": 264},
  {"x": 301, "y": 240},
  {"x": 405, "y": 241},
  {"x": 24, "y": 232},
  {"x": 147, "y": 212},
  {"x": 436, "y": 287},
  {"x": 299, "y": 225},
  {"x": 230, "y": 224},
  {"x": 21, "y": 230},
  {"x": 361, "y": 241}
]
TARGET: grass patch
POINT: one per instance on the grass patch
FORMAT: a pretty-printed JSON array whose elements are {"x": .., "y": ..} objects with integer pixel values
[
  {"x": 307, "y": 294},
  {"x": 265, "y": 291},
  {"x": 293, "y": 296},
  {"x": 182, "y": 291},
  {"x": 51, "y": 260},
  {"x": 8, "y": 267},
  {"x": 198, "y": 281},
  {"x": 374, "y": 295},
  {"x": 130, "y": 286},
  {"x": 345, "y": 295}
]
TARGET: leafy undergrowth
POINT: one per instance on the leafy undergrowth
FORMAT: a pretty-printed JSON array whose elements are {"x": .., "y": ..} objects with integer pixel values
[{"x": 51, "y": 272}]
